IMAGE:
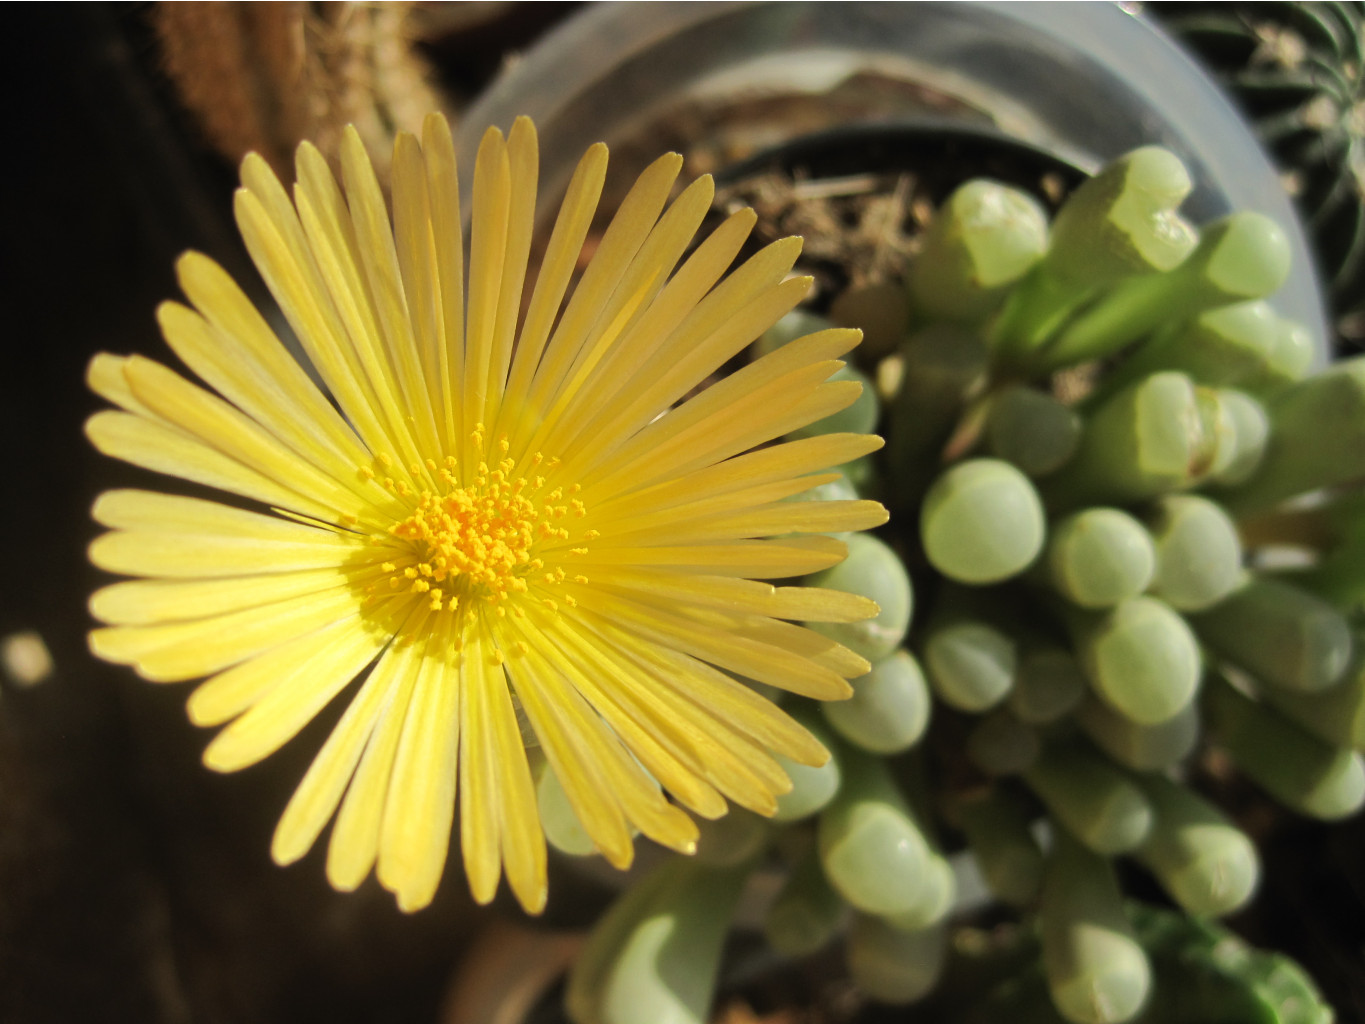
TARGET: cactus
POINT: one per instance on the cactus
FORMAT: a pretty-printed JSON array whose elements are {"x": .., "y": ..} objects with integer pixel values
[{"x": 1296, "y": 70}]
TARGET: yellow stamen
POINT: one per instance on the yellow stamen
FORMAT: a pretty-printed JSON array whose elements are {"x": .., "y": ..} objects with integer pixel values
[{"x": 485, "y": 538}]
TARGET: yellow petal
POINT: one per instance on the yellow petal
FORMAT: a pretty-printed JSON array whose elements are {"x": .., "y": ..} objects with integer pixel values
[
  {"x": 280, "y": 251},
  {"x": 155, "y": 445},
  {"x": 305, "y": 682},
  {"x": 590, "y": 759},
  {"x": 149, "y": 602},
  {"x": 649, "y": 734},
  {"x": 344, "y": 311},
  {"x": 487, "y": 253},
  {"x": 261, "y": 396},
  {"x": 355, "y": 836},
  {"x": 779, "y": 517},
  {"x": 235, "y": 435},
  {"x": 316, "y": 798},
  {"x": 188, "y": 538},
  {"x": 183, "y": 650},
  {"x": 415, "y": 830},
  {"x": 672, "y": 447},
  {"x": 480, "y": 775},
  {"x": 226, "y": 695},
  {"x": 523, "y": 841},
  {"x": 558, "y": 722},
  {"x": 695, "y": 349},
  {"x": 754, "y": 659},
  {"x": 750, "y": 559},
  {"x": 443, "y": 190},
  {"x": 634, "y": 219},
  {"x": 805, "y": 643},
  {"x": 105, "y": 377},
  {"x": 523, "y": 161},
  {"x": 388, "y": 321},
  {"x": 561, "y": 259},
  {"x": 668, "y": 310},
  {"x": 745, "y": 499},
  {"x": 238, "y": 326},
  {"x": 419, "y": 264},
  {"x": 707, "y": 746},
  {"x": 632, "y": 324},
  {"x": 766, "y": 465},
  {"x": 807, "y": 604}
]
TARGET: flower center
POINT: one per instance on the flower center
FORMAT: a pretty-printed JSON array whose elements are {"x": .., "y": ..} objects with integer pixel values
[{"x": 484, "y": 538}]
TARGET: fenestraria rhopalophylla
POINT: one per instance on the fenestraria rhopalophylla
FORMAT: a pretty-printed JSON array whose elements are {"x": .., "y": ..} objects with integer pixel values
[{"x": 514, "y": 513}]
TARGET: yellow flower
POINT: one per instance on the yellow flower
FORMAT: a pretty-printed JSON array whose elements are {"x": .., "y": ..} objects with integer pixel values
[{"x": 517, "y": 515}]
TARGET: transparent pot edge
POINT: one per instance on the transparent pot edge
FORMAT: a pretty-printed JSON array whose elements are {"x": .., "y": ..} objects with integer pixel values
[{"x": 1168, "y": 99}]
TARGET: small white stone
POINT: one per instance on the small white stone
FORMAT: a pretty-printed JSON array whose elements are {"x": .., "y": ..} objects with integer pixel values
[{"x": 25, "y": 658}]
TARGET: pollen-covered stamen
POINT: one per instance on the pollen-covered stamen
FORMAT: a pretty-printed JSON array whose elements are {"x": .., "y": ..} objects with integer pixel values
[
  {"x": 485, "y": 536},
  {"x": 380, "y": 473}
]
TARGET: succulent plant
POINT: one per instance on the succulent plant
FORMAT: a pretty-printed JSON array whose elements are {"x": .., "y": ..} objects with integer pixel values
[
  {"x": 1089, "y": 454},
  {"x": 1203, "y": 974}
]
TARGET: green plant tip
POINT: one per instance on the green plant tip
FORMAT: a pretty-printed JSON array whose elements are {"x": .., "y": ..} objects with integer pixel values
[
  {"x": 1100, "y": 557},
  {"x": 1142, "y": 659},
  {"x": 876, "y": 860},
  {"x": 889, "y": 709},
  {"x": 562, "y": 828},
  {"x": 1205, "y": 862},
  {"x": 998, "y": 826},
  {"x": 1251, "y": 431},
  {"x": 1234, "y": 345},
  {"x": 1091, "y": 797},
  {"x": 1155, "y": 185},
  {"x": 1317, "y": 438},
  {"x": 1336, "y": 715},
  {"x": 984, "y": 237},
  {"x": 1142, "y": 441},
  {"x": 1003, "y": 229},
  {"x": 1123, "y": 220},
  {"x": 936, "y": 898},
  {"x": 1229, "y": 345},
  {"x": 1250, "y": 259},
  {"x": 982, "y": 522},
  {"x": 733, "y": 839},
  {"x": 812, "y": 788},
  {"x": 873, "y": 570},
  {"x": 1218, "y": 446},
  {"x": 1294, "y": 350},
  {"x": 871, "y": 847},
  {"x": 1096, "y": 970},
  {"x": 840, "y": 489},
  {"x": 1198, "y": 552},
  {"x": 971, "y": 664},
  {"x": 880, "y": 311},
  {"x": 1144, "y": 748},
  {"x": 1282, "y": 635},
  {"x": 655, "y": 954},
  {"x": 1299, "y": 769},
  {"x": 891, "y": 965}
]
